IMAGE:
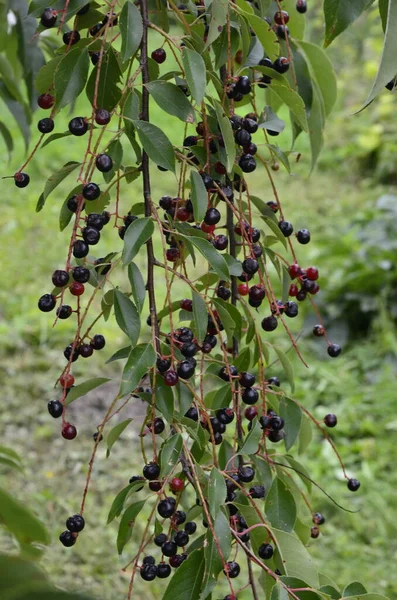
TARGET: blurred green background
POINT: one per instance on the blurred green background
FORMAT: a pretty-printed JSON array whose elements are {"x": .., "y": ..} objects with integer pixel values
[{"x": 349, "y": 204}]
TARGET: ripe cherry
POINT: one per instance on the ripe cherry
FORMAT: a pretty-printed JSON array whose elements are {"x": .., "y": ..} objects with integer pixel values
[
  {"x": 70, "y": 38},
  {"x": 314, "y": 532},
  {"x": 281, "y": 17},
  {"x": 78, "y": 126},
  {"x": 293, "y": 290},
  {"x": 55, "y": 408},
  {"x": 66, "y": 380},
  {"x": 250, "y": 412},
  {"x": 67, "y": 539},
  {"x": 159, "y": 55},
  {"x": 75, "y": 524},
  {"x": 69, "y": 431},
  {"x": 171, "y": 378},
  {"x": 60, "y": 278},
  {"x": 45, "y": 125},
  {"x": 21, "y": 180},
  {"x": 232, "y": 569},
  {"x": 286, "y": 228},
  {"x": 266, "y": 551},
  {"x": 353, "y": 485},
  {"x": 312, "y": 273},
  {"x": 102, "y": 116},
  {"x": 247, "y": 163},
  {"x": 91, "y": 191},
  {"x": 98, "y": 342},
  {"x": 103, "y": 163},
  {"x": 269, "y": 323},
  {"x": 151, "y": 471},
  {"x": 301, "y": 6},
  {"x": 187, "y": 304},
  {"x": 334, "y": 350},
  {"x": 318, "y": 519},
  {"x": 46, "y": 101},
  {"x": 166, "y": 508},
  {"x": 48, "y": 18},
  {"x": 281, "y": 65},
  {"x": 243, "y": 289},
  {"x": 76, "y": 289},
  {"x": 330, "y": 420},
  {"x": 176, "y": 485},
  {"x": 172, "y": 254},
  {"x": 86, "y": 350},
  {"x": 207, "y": 228}
]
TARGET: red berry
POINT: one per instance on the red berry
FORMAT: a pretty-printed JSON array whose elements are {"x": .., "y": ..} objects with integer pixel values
[
  {"x": 159, "y": 55},
  {"x": 243, "y": 289},
  {"x": 182, "y": 214},
  {"x": 294, "y": 270},
  {"x": 312, "y": 273},
  {"x": 281, "y": 17},
  {"x": 293, "y": 289},
  {"x": 173, "y": 254},
  {"x": 66, "y": 380},
  {"x": 76, "y": 289},
  {"x": 171, "y": 378},
  {"x": 187, "y": 304},
  {"x": 318, "y": 330},
  {"x": 102, "y": 116},
  {"x": 176, "y": 485},
  {"x": 45, "y": 101},
  {"x": 69, "y": 431},
  {"x": 207, "y": 228},
  {"x": 250, "y": 413},
  {"x": 219, "y": 168}
]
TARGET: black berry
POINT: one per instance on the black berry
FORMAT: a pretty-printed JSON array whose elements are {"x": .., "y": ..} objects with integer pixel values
[{"x": 78, "y": 126}]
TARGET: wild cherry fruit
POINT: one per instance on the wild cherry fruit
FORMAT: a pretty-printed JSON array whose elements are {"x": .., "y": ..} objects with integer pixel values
[
  {"x": 224, "y": 372},
  {"x": 159, "y": 55},
  {"x": 247, "y": 163},
  {"x": 318, "y": 518},
  {"x": 291, "y": 309},
  {"x": 151, "y": 471},
  {"x": 69, "y": 431},
  {"x": 91, "y": 235},
  {"x": 177, "y": 560},
  {"x": 158, "y": 425},
  {"x": 176, "y": 485},
  {"x": 171, "y": 378},
  {"x": 67, "y": 539},
  {"x": 102, "y": 116},
  {"x": 98, "y": 342},
  {"x": 55, "y": 408},
  {"x": 169, "y": 548},
  {"x": 334, "y": 350},
  {"x": 60, "y": 278},
  {"x": 251, "y": 412},
  {"x": 104, "y": 163},
  {"x": 163, "y": 570},
  {"x": 21, "y": 180},
  {"x": 75, "y": 524},
  {"x": 45, "y": 125},
  {"x": 46, "y": 101},
  {"x": 181, "y": 539},
  {"x": 187, "y": 304},
  {"x": 257, "y": 491},
  {"x": 47, "y": 303},
  {"x": 269, "y": 323},
  {"x": 250, "y": 396},
  {"x": 78, "y": 126},
  {"x": 91, "y": 191},
  {"x": 81, "y": 274},
  {"x": 330, "y": 420},
  {"x": 246, "y": 474},
  {"x": 76, "y": 289},
  {"x": 86, "y": 350},
  {"x": 314, "y": 532},
  {"x": 301, "y": 6},
  {"x": 232, "y": 569},
  {"x": 192, "y": 413},
  {"x": 243, "y": 85},
  {"x": 265, "y": 551},
  {"x": 166, "y": 508},
  {"x": 70, "y": 38},
  {"x": 48, "y": 18},
  {"x": 247, "y": 379},
  {"x": 212, "y": 216},
  {"x": 242, "y": 137},
  {"x": 80, "y": 249},
  {"x": 303, "y": 236},
  {"x": 250, "y": 266},
  {"x": 281, "y": 65},
  {"x": 281, "y": 17},
  {"x": 243, "y": 289},
  {"x": 67, "y": 380},
  {"x": 160, "y": 539},
  {"x": 353, "y": 485},
  {"x": 286, "y": 228},
  {"x": 172, "y": 254},
  {"x": 148, "y": 572}
]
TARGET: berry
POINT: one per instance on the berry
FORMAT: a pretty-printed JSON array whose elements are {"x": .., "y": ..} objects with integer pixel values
[
  {"x": 225, "y": 415},
  {"x": 318, "y": 519},
  {"x": 265, "y": 551},
  {"x": 163, "y": 365},
  {"x": 148, "y": 572},
  {"x": 69, "y": 431},
  {"x": 264, "y": 422},
  {"x": 243, "y": 289},
  {"x": 86, "y": 350},
  {"x": 330, "y": 420},
  {"x": 47, "y": 303},
  {"x": 83, "y": 10},
  {"x": 190, "y": 527},
  {"x": 76, "y": 289},
  {"x": 48, "y": 18},
  {"x": 179, "y": 517},
  {"x": 257, "y": 491},
  {"x": 334, "y": 350},
  {"x": 223, "y": 292},
  {"x": 221, "y": 242},
  {"x": 91, "y": 191},
  {"x": 181, "y": 538},
  {"x": 149, "y": 560},
  {"x": 269, "y": 323},
  {"x": 294, "y": 271},
  {"x": 312, "y": 273},
  {"x": 78, "y": 126},
  {"x": 102, "y": 116},
  {"x": 314, "y": 532},
  {"x": 187, "y": 304},
  {"x": 159, "y": 55},
  {"x": 273, "y": 206},
  {"x": 250, "y": 266},
  {"x": 176, "y": 561},
  {"x": 151, "y": 471},
  {"x": 242, "y": 137},
  {"x": 243, "y": 85},
  {"x": 232, "y": 569},
  {"x": 173, "y": 254},
  {"x": 60, "y": 278},
  {"x": 212, "y": 216},
  {"x": 192, "y": 413},
  {"x": 276, "y": 436},
  {"x": 169, "y": 549},
  {"x": 301, "y": 6},
  {"x": 158, "y": 425},
  {"x": 224, "y": 372},
  {"x": 273, "y": 381},
  {"x": 281, "y": 17},
  {"x": 155, "y": 486},
  {"x": 207, "y": 180},
  {"x": 160, "y": 539},
  {"x": 21, "y": 180},
  {"x": 353, "y": 484},
  {"x": 282, "y": 32},
  {"x": 81, "y": 274},
  {"x": 136, "y": 478},
  {"x": 66, "y": 380},
  {"x": 250, "y": 396},
  {"x": 247, "y": 380},
  {"x": 55, "y": 408},
  {"x": 70, "y": 38},
  {"x": 303, "y": 236},
  {"x": 286, "y": 228},
  {"x": 72, "y": 204},
  {"x": 45, "y": 125},
  {"x": 104, "y": 163},
  {"x": 67, "y": 539},
  {"x": 247, "y": 163},
  {"x": 281, "y": 65},
  {"x": 246, "y": 474},
  {"x": 176, "y": 485},
  {"x": 80, "y": 249},
  {"x": 91, "y": 235},
  {"x": 171, "y": 378},
  {"x": 291, "y": 309},
  {"x": 166, "y": 508},
  {"x": 163, "y": 570},
  {"x": 276, "y": 423},
  {"x": 251, "y": 412},
  {"x": 75, "y": 524},
  {"x": 46, "y": 101}
]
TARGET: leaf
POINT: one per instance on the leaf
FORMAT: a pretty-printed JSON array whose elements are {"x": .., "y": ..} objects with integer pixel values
[
  {"x": 109, "y": 93},
  {"x": 279, "y": 592},
  {"x": 170, "y": 453},
  {"x": 137, "y": 285},
  {"x": 70, "y": 77},
  {"x": 156, "y": 145},
  {"x": 219, "y": 397},
  {"x": 120, "y": 354},
  {"x": 252, "y": 440},
  {"x": 200, "y": 316},
  {"x": 280, "y": 506},
  {"x": 127, "y": 524},
  {"x": 292, "y": 415},
  {"x": 316, "y": 124},
  {"x": 305, "y": 435},
  {"x": 216, "y": 260},
  {"x": 195, "y": 73},
  {"x": 165, "y": 401},
  {"x": 136, "y": 236},
  {"x": 383, "y": 8},
  {"x": 171, "y": 99},
  {"x": 199, "y": 196},
  {"x": 18, "y": 111},
  {"x": 83, "y": 388},
  {"x": 287, "y": 366},
  {"x": 387, "y": 66},
  {"x": 300, "y": 471},
  {"x": 54, "y": 180},
  {"x": 118, "y": 503},
  {"x": 297, "y": 562},
  {"x": 353, "y": 589},
  {"x": 368, "y": 597},
  {"x": 6, "y": 135},
  {"x": 270, "y": 121},
  {"x": 322, "y": 71},
  {"x": 127, "y": 316},
  {"x": 10, "y": 81},
  {"x": 187, "y": 580},
  {"x": 339, "y": 14},
  {"x": 263, "y": 31},
  {"x": 140, "y": 360},
  {"x": 219, "y": 11},
  {"x": 282, "y": 156},
  {"x": 216, "y": 492},
  {"x": 115, "y": 433},
  {"x": 131, "y": 29},
  {"x": 213, "y": 560},
  {"x": 293, "y": 101},
  {"x": 227, "y": 135},
  {"x": 115, "y": 151}
]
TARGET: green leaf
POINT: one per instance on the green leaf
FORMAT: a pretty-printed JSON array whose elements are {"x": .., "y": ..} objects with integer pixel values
[
  {"x": 219, "y": 11},
  {"x": 282, "y": 156},
  {"x": 383, "y": 8},
  {"x": 280, "y": 506},
  {"x": 387, "y": 66},
  {"x": 292, "y": 415},
  {"x": 170, "y": 453},
  {"x": 115, "y": 433},
  {"x": 165, "y": 401},
  {"x": 54, "y": 180},
  {"x": 216, "y": 260},
  {"x": 293, "y": 101},
  {"x": 6, "y": 135},
  {"x": 118, "y": 503},
  {"x": 200, "y": 316},
  {"x": 18, "y": 111},
  {"x": 297, "y": 562},
  {"x": 213, "y": 560},
  {"x": 195, "y": 73},
  {"x": 263, "y": 31},
  {"x": 83, "y": 388},
  {"x": 115, "y": 151},
  {"x": 199, "y": 196},
  {"x": 300, "y": 471},
  {"x": 172, "y": 100},
  {"x": 322, "y": 71},
  {"x": 131, "y": 29},
  {"x": 227, "y": 134},
  {"x": 287, "y": 366},
  {"x": 70, "y": 77},
  {"x": 136, "y": 236},
  {"x": 109, "y": 93},
  {"x": 368, "y": 597},
  {"x": 354, "y": 589},
  {"x": 252, "y": 440},
  {"x": 187, "y": 581},
  {"x": 219, "y": 397},
  {"x": 140, "y": 360},
  {"x": 107, "y": 304},
  {"x": 138, "y": 287},
  {"x": 305, "y": 434},
  {"x": 216, "y": 492},
  {"x": 127, "y": 316},
  {"x": 11, "y": 83},
  {"x": 316, "y": 124},
  {"x": 127, "y": 523},
  {"x": 156, "y": 145},
  {"x": 339, "y": 14}
]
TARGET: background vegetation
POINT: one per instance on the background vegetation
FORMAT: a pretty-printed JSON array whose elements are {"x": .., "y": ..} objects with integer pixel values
[{"x": 352, "y": 208}]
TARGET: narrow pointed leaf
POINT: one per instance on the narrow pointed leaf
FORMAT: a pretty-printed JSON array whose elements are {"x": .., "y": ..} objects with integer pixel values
[
  {"x": 136, "y": 236},
  {"x": 131, "y": 29},
  {"x": 156, "y": 145}
]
